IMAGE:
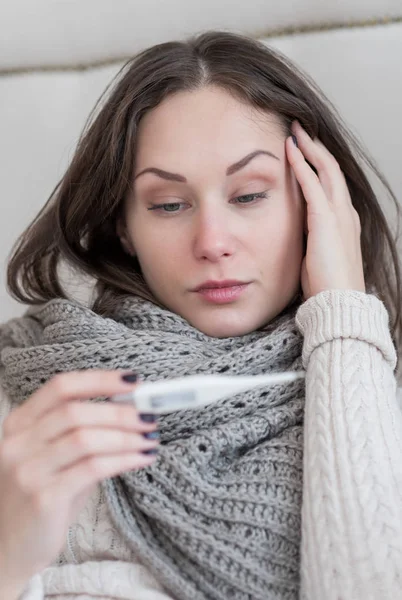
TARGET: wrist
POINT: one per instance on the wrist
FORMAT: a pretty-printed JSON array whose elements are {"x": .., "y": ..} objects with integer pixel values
[{"x": 344, "y": 314}]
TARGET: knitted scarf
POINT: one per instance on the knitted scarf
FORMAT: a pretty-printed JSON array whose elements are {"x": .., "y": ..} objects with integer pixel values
[{"x": 217, "y": 515}]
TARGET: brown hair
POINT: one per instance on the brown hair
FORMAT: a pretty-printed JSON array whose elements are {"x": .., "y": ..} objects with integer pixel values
[{"x": 77, "y": 225}]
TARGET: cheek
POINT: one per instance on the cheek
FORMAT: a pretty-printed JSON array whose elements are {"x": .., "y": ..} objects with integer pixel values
[
  {"x": 280, "y": 242},
  {"x": 158, "y": 253}
]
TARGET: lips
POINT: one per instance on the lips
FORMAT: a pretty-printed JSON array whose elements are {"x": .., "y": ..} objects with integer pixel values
[
  {"x": 211, "y": 284},
  {"x": 221, "y": 292}
]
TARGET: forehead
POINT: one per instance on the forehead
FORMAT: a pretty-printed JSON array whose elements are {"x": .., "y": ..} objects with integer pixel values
[{"x": 207, "y": 120}]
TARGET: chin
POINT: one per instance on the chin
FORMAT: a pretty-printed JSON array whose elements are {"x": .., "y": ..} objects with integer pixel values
[{"x": 224, "y": 326}]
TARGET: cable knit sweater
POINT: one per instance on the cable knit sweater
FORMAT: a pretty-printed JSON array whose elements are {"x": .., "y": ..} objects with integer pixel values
[{"x": 352, "y": 490}]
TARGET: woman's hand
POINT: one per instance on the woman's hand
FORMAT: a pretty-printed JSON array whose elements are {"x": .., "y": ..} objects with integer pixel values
[
  {"x": 55, "y": 449},
  {"x": 333, "y": 258}
]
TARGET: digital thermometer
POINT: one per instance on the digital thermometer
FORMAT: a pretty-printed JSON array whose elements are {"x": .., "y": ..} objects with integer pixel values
[{"x": 193, "y": 391}]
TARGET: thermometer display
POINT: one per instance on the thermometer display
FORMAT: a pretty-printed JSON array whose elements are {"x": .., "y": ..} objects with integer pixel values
[{"x": 172, "y": 400}]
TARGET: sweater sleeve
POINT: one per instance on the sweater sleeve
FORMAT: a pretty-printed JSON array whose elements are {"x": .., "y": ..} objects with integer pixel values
[{"x": 352, "y": 484}]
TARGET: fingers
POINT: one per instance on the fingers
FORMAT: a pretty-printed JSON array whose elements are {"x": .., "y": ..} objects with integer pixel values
[
  {"x": 55, "y": 433},
  {"x": 73, "y": 416},
  {"x": 62, "y": 388},
  {"x": 310, "y": 184},
  {"x": 314, "y": 150},
  {"x": 333, "y": 245},
  {"x": 76, "y": 446},
  {"x": 329, "y": 189},
  {"x": 86, "y": 414},
  {"x": 73, "y": 480}
]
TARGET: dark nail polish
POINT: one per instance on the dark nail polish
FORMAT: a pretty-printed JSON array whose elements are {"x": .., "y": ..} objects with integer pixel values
[
  {"x": 151, "y": 435},
  {"x": 130, "y": 377},
  {"x": 151, "y": 451},
  {"x": 148, "y": 417},
  {"x": 294, "y": 138}
]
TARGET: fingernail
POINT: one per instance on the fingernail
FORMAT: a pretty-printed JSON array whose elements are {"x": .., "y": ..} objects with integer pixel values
[
  {"x": 294, "y": 138},
  {"x": 130, "y": 377},
  {"x": 151, "y": 451},
  {"x": 148, "y": 417},
  {"x": 151, "y": 435}
]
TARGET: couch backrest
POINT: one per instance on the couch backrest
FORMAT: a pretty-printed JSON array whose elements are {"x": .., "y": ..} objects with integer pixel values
[{"x": 56, "y": 58}]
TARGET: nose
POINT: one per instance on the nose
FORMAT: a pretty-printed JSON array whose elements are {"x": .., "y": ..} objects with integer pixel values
[{"x": 213, "y": 237}]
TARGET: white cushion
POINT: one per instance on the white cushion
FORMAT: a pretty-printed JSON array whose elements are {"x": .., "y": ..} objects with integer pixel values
[{"x": 60, "y": 32}]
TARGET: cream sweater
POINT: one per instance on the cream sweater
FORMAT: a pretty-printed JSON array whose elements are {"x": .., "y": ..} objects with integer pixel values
[{"x": 352, "y": 491}]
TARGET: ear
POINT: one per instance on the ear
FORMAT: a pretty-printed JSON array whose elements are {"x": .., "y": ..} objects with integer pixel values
[{"x": 124, "y": 237}]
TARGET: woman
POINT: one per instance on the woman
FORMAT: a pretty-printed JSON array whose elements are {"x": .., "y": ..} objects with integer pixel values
[{"x": 229, "y": 228}]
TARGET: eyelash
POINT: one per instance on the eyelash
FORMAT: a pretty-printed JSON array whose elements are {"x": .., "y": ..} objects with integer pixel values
[{"x": 160, "y": 207}]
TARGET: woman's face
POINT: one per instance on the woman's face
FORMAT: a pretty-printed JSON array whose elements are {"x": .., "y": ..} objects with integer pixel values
[{"x": 211, "y": 212}]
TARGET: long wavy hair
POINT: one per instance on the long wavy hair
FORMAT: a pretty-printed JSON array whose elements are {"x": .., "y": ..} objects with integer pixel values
[{"x": 77, "y": 225}]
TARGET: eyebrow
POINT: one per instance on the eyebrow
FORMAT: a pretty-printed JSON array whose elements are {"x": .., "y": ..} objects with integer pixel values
[{"x": 229, "y": 171}]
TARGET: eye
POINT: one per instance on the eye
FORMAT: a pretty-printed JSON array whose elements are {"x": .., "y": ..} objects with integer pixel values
[
  {"x": 167, "y": 207},
  {"x": 174, "y": 207},
  {"x": 249, "y": 198}
]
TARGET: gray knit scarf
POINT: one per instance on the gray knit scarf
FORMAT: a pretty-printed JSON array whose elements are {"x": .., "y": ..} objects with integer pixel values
[{"x": 217, "y": 516}]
